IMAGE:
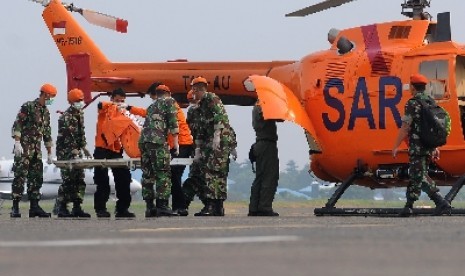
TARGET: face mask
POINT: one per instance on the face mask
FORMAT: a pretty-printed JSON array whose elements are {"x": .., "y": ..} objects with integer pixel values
[
  {"x": 78, "y": 105},
  {"x": 49, "y": 101}
]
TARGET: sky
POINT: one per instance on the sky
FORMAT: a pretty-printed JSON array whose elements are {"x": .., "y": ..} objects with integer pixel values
[{"x": 201, "y": 30}]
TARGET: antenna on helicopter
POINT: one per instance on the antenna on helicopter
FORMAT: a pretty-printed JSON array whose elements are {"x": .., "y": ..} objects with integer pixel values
[{"x": 93, "y": 17}]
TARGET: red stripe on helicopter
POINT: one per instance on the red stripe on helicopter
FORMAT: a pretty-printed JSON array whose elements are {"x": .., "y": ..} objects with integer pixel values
[{"x": 373, "y": 48}]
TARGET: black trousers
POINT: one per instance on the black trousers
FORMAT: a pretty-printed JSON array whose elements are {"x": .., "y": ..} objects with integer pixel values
[
  {"x": 265, "y": 184},
  {"x": 178, "y": 199},
  {"x": 121, "y": 176}
]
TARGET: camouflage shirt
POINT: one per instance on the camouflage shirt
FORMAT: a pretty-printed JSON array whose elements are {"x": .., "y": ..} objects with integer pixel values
[
  {"x": 161, "y": 119},
  {"x": 193, "y": 118},
  {"x": 71, "y": 133},
  {"x": 32, "y": 124},
  {"x": 212, "y": 116},
  {"x": 412, "y": 117}
]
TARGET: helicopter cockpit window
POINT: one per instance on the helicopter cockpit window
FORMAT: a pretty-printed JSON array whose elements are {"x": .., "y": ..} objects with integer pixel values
[{"x": 437, "y": 71}]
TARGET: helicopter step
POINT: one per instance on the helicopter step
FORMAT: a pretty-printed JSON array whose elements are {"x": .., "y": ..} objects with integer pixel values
[{"x": 331, "y": 210}]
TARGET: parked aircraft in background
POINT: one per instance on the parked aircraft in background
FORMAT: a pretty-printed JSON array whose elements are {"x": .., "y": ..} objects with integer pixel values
[{"x": 52, "y": 180}]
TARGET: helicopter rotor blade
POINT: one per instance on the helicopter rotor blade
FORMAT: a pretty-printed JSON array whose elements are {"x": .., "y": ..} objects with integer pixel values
[
  {"x": 327, "y": 4},
  {"x": 105, "y": 20}
]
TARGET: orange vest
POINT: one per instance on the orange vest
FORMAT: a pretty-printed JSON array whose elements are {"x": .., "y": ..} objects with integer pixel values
[
  {"x": 184, "y": 136},
  {"x": 115, "y": 130}
]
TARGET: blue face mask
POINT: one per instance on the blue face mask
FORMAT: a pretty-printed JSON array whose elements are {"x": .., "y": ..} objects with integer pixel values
[
  {"x": 78, "y": 105},
  {"x": 49, "y": 101}
]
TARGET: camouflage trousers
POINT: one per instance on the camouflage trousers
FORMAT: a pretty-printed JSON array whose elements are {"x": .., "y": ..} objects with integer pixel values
[
  {"x": 73, "y": 187},
  {"x": 155, "y": 162},
  {"x": 419, "y": 179},
  {"x": 195, "y": 183},
  {"x": 216, "y": 171},
  {"x": 28, "y": 167}
]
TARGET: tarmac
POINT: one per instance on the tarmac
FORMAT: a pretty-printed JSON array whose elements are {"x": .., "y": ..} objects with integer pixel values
[{"x": 295, "y": 243}]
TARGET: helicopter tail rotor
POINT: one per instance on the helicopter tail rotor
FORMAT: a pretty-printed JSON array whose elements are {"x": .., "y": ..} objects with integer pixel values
[{"x": 93, "y": 17}]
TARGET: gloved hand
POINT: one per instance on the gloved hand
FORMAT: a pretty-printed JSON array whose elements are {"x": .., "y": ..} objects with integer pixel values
[
  {"x": 216, "y": 139},
  {"x": 234, "y": 154},
  {"x": 49, "y": 159},
  {"x": 87, "y": 153},
  {"x": 176, "y": 145},
  {"x": 18, "y": 149},
  {"x": 75, "y": 153},
  {"x": 197, "y": 154}
]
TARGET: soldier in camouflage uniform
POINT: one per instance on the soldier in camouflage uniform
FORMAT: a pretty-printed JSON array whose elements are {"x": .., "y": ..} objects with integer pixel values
[
  {"x": 155, "y": 159},
  {"x": 32, "y": 124},
  {"x": 217, "y": 141},
  {"x": 420, "y": 157},
  {"x": 194, "y": 184},
  {"x": 70, "y": 142}
]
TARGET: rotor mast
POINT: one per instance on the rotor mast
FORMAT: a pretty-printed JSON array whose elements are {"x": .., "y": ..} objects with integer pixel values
[{"x": 415, "y": 9}]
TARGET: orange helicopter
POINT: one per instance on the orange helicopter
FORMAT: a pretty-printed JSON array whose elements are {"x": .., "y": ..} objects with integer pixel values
[{"x": 348, "y": 98}]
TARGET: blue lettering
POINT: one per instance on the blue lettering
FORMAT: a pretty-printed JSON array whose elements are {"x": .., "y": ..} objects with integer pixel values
[
  {"x": 389, "y": 103},
  {"x": 361, "y": 94},
  {"x": 334, "y": 103},
  {"x": 365, "y": 112}
]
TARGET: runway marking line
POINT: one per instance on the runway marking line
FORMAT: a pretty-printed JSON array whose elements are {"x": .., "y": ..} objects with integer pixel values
[
  {"x": 238, "y": 227},
  {"x": 132, "y": 241}
]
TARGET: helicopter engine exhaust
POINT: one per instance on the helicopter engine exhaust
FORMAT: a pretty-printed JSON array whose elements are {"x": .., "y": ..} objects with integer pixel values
[{"x": 344, "y": 45}]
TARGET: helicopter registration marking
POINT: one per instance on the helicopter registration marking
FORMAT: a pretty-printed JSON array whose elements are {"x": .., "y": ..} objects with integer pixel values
[
  {"x": 73, "y": 40},
  {"x": 365, "y": 112}
]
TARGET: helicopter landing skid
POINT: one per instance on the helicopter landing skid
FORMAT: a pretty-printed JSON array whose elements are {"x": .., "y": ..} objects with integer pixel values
[{"x": 331, "y": 210}]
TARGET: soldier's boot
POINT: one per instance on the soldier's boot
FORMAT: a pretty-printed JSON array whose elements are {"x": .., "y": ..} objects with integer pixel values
[
  {"x": 218, "y": 208},
  {"x": 124, "y": 213},
  {"x": 407, "y": 211},
  {"x": 101, "y": 210},
  {"x": 150, "y": 210},
  {"x": 63, "y": 211},
  {"x": 15, "y": 209},
  {"x": 36, "y": 211},
  {"x": 442, "y": 205},
  {"x": 163, "y": 210},
  {"x": 78, "y": 212},
  {"x": 207, "y": 210}
]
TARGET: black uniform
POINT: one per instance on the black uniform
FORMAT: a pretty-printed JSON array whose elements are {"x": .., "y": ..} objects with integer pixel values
[{"x": 267, "y": 171}]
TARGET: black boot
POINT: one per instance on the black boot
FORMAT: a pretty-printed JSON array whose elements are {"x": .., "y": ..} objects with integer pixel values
[
  {"x": 150, "y": 210},
  {"x": 102, "y": 213},
  {"x": 15, "y": 209},
  {"x": 442, "y": 205},
  {"x": 77, "y": 211},
  {"x": 36, "y": 211},
  {"x": 218, "y": 208},
  {"x": 408, "y": 209},
  {"x": 181, "y": 212},
  {"x": 207, "y": 210},
  {"x": 163, "y": 210},
  {"x": 124, "y": 214},
  {"x": 63, "y": 211}
]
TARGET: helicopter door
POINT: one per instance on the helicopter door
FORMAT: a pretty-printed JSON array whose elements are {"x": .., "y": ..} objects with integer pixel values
[{"x": 460, "y": 86}]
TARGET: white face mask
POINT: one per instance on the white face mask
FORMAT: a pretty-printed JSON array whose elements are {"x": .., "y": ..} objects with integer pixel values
[
  {"x": 49, "y": 101},
  {"x": 78, "y": 105}
]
